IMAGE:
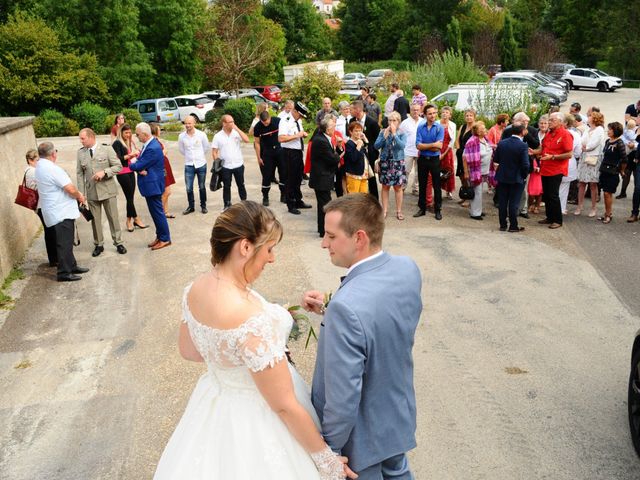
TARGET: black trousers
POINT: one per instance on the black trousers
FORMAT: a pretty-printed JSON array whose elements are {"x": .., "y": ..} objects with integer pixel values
[
  {"x": 551, "y": 197},
  {"x": 429, "y": 166},
  {"x": 271, "y": 159},
  {"x": 128, "y": 183},
  {"x": 292, "y": 167},
  {"x": 238, "y": 175},
  {"x": 338, "y": 183},
  {"x": 64, "y": 246},
  {"x": 509, "y": 203},
  {"x": 323, "y": 197},
  {"x": 49, "y": 240}
]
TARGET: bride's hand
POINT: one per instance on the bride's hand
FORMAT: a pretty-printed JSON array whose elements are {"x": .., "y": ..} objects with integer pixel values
[
  {"x": 329, "y": 465},
  {"x": 313, "y": 301}
]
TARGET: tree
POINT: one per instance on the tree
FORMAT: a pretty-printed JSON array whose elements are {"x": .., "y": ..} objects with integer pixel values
[
  {"x": 526, "y": 18},
  {"x": 542, "y": 48},
  {"x": 508, "y": 46},
  {"x": 454, "y": 35},
  {"x": 308, "y": 37},
  {"x": 37, "y": 70},
  {"x": 237, "y": 44},
  {"x": 168, "y": 31},
  {"x": 370, "y": 28}
]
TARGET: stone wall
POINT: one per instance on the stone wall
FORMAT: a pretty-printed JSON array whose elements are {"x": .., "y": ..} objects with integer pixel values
[{"x": 18, "y": 225}]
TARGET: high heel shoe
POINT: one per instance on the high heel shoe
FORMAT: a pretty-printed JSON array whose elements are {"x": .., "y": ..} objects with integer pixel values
[
  {"x": 129, "y": 226},
  {"x": 141, "y": 227}
]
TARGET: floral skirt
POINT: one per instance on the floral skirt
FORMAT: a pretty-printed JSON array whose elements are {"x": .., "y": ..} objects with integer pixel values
[{"x": 392, "y": 172}]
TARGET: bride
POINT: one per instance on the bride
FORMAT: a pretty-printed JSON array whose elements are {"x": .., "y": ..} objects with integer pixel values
[{"x": 250, "y": 416}]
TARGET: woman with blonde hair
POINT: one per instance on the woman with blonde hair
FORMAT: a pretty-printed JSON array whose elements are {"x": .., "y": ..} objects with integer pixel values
[
  {"x": 593, "y": 141},
  {"x": 391, "y": 143}
]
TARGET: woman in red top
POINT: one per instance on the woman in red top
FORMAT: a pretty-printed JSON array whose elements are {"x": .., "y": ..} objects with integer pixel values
[{"x": 117, "y": 123}]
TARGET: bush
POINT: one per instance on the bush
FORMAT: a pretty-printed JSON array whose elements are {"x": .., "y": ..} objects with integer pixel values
[
  {"x": 311, "y": 87},
  {"x": 89, "y": 115},
  {"x": 131, "y": 116},
  {"x": 173, "y": 127},
  {"x": 51, "y": 123},
  {"x": 242, "y": 110}
]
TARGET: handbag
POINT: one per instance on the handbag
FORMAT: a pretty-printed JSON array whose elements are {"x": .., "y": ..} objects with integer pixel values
[
  {"x": 591, "y": 160},
  {"x": 85, "y": 212},
  {"x": 466, "y": 192},
  {"x": 216, "y": 175},
  {"x": 27, "y": 197}
]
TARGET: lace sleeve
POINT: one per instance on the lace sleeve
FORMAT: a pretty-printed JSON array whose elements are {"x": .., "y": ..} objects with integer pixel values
[{"x": 260, "y": 345}]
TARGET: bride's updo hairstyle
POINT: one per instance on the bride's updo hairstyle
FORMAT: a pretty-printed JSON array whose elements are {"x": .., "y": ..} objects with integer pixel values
[{"x": 245, "y": 219}]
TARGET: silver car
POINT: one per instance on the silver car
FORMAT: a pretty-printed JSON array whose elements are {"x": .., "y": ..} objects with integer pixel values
[
  {"x": 375, "y": 76},
  {"x": 353, "y": 81}
]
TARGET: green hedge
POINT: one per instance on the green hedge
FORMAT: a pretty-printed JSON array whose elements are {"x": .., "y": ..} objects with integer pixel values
[
  {"x": 89, "y": 115},
  {"x": 51, "y": 123},
  {"x": 242, "y": 110}
]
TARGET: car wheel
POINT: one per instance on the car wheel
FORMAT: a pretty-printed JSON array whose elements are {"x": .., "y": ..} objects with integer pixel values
[
  {"x": 602, "y": 87},
  {"x": 570, "y": 84},
  {"x": 633, "y": 400},
  {"x": 612, "y": 89}
]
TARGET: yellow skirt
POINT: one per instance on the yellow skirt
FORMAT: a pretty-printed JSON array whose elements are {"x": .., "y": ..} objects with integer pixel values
[{"x": 357, "y": 184}]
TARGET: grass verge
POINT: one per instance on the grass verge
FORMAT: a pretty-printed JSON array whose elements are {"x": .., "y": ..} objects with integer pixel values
[{"x": 6, "y": 302}]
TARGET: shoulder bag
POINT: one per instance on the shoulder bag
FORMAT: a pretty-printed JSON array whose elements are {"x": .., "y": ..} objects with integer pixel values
[
  {"x": 27, "y": 197},
  {"x": 216, "y": 175},
  {"x": 591, "y": 160}
]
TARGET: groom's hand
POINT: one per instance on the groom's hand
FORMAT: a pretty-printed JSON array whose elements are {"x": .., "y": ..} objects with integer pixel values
[
  {"x": 313, "y": 301},
  {"x": 350, "y": 473}
]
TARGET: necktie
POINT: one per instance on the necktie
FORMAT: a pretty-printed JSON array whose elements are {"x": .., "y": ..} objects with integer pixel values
[
  {"x": 301, "y": 141},
  {"x": 91, "y": 152}
]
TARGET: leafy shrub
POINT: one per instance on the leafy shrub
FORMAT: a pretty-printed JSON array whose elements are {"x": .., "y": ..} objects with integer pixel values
[
  {"x": 173, "y": 127},
  {"x": 312, "y": 86},
  {"x": 51, "y": 123},
  {"x": 131, "y": 116},
  {"x": 242, "y": 110},
  {"x": 89, "y": 115}
]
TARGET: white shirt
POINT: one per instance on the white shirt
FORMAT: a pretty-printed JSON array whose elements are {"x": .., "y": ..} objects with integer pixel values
[
  {"x": 409, "y": 127},
  {"x": 375, "y": 255},
  {"x": 341, "y": 125},
  {"x": 593, "y": 140},
  {"x": 56, "y": 204},
  {"x": 194, "y": 148},
  {"x": 486, "y": 152},
  {"x": 577, "y": 152},
  {"x": 284, "y": 114},
  {"x": 228, "y": 148},
  {"x": 288, "y": 127},
  {"x": 388, "y": 105}
]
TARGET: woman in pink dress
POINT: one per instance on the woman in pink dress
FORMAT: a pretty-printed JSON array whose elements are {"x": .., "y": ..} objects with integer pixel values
[
  {"x": 535, "y": 179},
  {"x": 446, "y": 157}
]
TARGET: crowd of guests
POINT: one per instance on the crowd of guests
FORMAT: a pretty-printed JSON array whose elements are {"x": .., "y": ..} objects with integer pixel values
[{"x": 565, "y": 158}]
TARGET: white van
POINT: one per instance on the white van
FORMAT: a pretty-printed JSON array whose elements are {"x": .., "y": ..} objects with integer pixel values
[{"x": 489, "y": 99}]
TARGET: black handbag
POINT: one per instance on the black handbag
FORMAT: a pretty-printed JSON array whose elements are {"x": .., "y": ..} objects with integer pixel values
[
  {"x": 216, "y": 175},
  {"x": 466, "y": 193},
  {"x": 85, "y": 212}
]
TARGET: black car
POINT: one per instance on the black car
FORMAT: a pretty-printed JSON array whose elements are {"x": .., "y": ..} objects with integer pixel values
[{"x": 634, "y": 394}]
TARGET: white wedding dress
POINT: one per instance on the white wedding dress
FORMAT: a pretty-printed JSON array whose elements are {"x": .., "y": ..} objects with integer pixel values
[{"x": 228, "y": 431}]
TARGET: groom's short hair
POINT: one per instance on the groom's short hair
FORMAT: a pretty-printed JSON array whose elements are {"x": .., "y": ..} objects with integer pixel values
[{"x": 360, "y": 211}]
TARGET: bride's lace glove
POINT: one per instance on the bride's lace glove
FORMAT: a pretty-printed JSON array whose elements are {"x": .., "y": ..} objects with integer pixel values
[{"x": 329, "y": 465}]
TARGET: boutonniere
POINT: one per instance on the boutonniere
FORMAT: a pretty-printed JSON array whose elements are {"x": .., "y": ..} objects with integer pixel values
[{"x": 300, "y": 320}]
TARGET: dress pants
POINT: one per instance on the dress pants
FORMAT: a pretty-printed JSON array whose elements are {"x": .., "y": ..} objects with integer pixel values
[
  {"x": 49, "y": 240},
  {"x": 394, "y": 468},
  {"x": 154, "y": 203},
  {"x": 509, "y": 203},
  {"x": 128, "y": 183},
  {"x": 64, "y": 246},
  {"x": 238, "y": 175},
  {"x": 340, "y": 174},
  {"x": 293, "y": 167},
  {"x": 636, "y": 189},
  {"x": 429, "y": 166},
  {"x": 551, "y": 197},
  {"x": 110, "y": 206},
  {"x": 271, "y": 159},
  {"x": 323, "y": 197},
  {"x": 412, "y": 177}
]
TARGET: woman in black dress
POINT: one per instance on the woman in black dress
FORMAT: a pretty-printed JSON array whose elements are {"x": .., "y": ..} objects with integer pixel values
[
  {"x": 614, "y": 162},
  {"x": 464, "y": 134}
]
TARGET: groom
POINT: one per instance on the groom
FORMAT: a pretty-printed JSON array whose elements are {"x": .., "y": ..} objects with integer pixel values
[{"x": 363, "y": 380}]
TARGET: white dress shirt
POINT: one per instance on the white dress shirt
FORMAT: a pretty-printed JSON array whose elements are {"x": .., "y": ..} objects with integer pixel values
[
  {"x": 228, "y": 148},
  {"x": 409, "y": 127},
  {"x": 375, "y": 255},
  {"x": 194, "y": 148},
  {"x": 289, "y": 126},
  {"x": 56, "y": 204}
]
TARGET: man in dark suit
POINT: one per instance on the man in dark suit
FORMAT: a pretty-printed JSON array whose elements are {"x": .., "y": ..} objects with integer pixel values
[
  {"x": 151, "y": 182},
  {"x": 324, "y": 164},
  {"x": 371, "y": 131},
  {"x": 401, "y": 105},
  {"x": 512, "y": 158}
]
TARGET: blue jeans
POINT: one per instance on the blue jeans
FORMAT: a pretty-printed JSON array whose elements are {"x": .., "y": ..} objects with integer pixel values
[
  {"x": 190, "y": 173},
  {"x": 636, "y": 190}
]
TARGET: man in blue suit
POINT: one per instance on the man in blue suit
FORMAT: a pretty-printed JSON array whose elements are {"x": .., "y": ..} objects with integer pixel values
[
  {"x": 363, "y": 380},
  {"x": 151, "y": 182},
  {"x": 512, "y": 158}
]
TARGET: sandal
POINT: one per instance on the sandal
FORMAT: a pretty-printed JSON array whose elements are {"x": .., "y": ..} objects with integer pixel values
[
  {"x": 607, "y": 218},
  {"x": 399, "y": 216},
  {"x": 169, "y": 215}
]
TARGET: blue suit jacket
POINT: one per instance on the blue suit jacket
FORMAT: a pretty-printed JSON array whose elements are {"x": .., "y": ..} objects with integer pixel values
[
  {"x": 513, "y": 157},
  {"x": 151, "y": 160},
  {"x": 363, "y": 380}
]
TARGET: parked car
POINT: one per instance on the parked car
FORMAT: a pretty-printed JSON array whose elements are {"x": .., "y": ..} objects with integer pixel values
[
  {"x": 352, "y": 93},
  {"x": 270, "y": 92},
  {"x": 216, "y": 95},
  {"x": 253, "y": 94},
  {"x": 489, "y": 99},
  {"x": 548, "y": 79},
  {"x": 557, "y": 70},
  {"x": 557, "y": 94},
  {"x": 161, "y": 110},
  {"x": 195, "y": 105},
  {"x": 354, "y": 81},
  {"x": 591, "y": 78},
  {"x": 633, "y": 400},
  {"x": 374, "y": 77}
]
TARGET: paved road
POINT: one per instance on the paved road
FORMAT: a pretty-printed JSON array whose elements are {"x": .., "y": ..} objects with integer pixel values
[{"x": 521, "y": 355}]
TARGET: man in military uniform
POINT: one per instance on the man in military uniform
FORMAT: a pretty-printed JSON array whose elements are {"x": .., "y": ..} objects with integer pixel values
[{"x": 96, "y": 169}]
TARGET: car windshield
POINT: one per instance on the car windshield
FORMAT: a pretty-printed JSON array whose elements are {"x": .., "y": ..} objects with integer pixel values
[
  {"x": 202, "y": 100},
  {"x": 601, "y": 73},
  {"x": 349, "y": 76},
  {"x": 376, "y": 73}
]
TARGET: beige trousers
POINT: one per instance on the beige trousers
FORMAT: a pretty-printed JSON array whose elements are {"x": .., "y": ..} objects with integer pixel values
[{"x": 111, "y": 210}]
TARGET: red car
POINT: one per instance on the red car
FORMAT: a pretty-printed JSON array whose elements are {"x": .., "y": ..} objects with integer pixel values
[{"x": 270, "y": 92}]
